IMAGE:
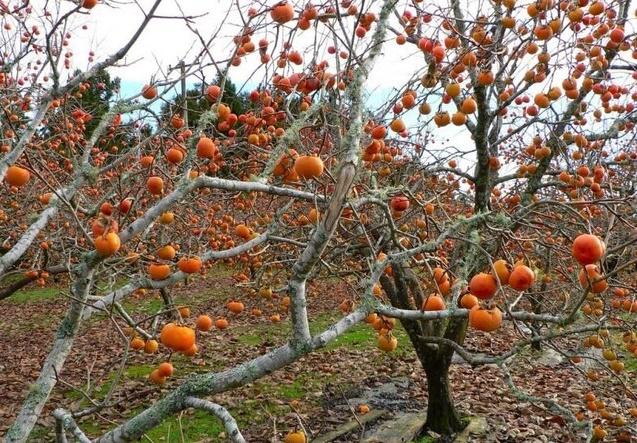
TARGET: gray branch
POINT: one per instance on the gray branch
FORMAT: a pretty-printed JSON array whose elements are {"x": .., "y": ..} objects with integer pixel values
[
  {"x": 222, "y": 414},
  {"x": 65, "y": 422}
]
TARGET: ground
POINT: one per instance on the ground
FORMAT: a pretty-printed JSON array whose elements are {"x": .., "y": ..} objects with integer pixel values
[{"x": 324, "y": 388}]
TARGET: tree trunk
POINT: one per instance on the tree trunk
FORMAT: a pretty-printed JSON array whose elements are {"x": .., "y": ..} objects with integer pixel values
[{"x": 442, "y": 416}]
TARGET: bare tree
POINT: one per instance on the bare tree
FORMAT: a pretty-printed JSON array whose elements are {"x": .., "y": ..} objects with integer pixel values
[{"x": 525, "y": 214}]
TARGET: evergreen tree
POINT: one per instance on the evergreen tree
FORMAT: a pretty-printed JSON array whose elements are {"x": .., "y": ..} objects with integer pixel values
[
  {"x": 197, "y": 103},
  {"x": 96, "y": 99}
]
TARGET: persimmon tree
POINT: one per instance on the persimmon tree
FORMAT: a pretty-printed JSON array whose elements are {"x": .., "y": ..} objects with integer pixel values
[{"x": 494, "y": 188}]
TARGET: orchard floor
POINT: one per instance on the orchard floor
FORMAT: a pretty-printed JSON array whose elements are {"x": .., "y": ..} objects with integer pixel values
[{"x": 315, "y": 388}]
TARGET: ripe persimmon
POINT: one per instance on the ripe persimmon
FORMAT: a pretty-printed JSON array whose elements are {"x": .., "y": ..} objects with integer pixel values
[
  {"x": 191, "y": 351},
  {"x": 107, "y": 244},
  {"x": 387, "y": 342},
  {"x": 243, "y": 231},
  {"x": 483, "y": 285},
  {"x": 486, "y": 320},
  {"x": 236, "y": 307},
  {"x": 469, "y": 105},
  {"x": 399, "y": 203},
  {"x": 184, "y": 311},
  {"x": 158, "y": 271},
  {"x": 521, "y": 278},
  {"x": 174, "y": 155},
  {"x": 149, "y": 92},
  {"x": 177, "y": 338},
  {"x": 587, "y": 249},
  {"x": 157, "y": 378},
  {"x": 308, "y": 166},
  {"x": 468, "y": 301},
  {"x": 433, "y": 303},
  {"x": 398, "y": 125},
  {"x": 17, "y": 176},
  {"x": 379, "y": 132},
  {"x": 165, "y": 369},
  {"x": 166, "y": 252},
  {"x": 155, "y": 185},
  {"x": 501, "y": 269},
  {"x": 282, "y": 12},
  {"x": 203, "y": 323},
  {"x": 137, "y": 343},
  {"x": 590, "y": 275},
  {"x": 295, "y": 437},
  {"x": 189, "y": 265},
  {"x": 206, "y": 148},
  {"x": 151, "y": 346}
]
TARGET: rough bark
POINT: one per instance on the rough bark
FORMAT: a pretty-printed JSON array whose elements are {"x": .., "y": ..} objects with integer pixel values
[{"x": 442, "y": 416}]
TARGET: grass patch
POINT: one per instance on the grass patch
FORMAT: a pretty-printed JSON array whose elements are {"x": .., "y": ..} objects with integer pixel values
[
  {"x": 148, "y": 304},
  {"x": 624, "y": 355},
  {"x": 39, "y": 434},
  {"x": 99, "y": 393},
  {"x": 34, "y": 294},
  {"x": 91, "y": 427},
  {"x": 221, "y": 269},
  {"x": 255, "y": 411},
  {"x": 290, "y": 391},
  {"x": 255, "y": 335},
  {"x": 196, "y": 425},
  {"x": 139, "y": 371},
  {"x": 363, "y": 336},
  {"x": 295, "y": 390},
  {"x": 188, "y": 426},
  {"x": 630, "y": 362},
  {"x": 360, "y": 336}
]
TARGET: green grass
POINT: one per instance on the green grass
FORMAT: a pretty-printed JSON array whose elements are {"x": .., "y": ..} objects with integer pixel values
[
  {"x": 99, "y": 393},
  {"x": 9, "y": 279},
  {"x": 291, "y": 389},
  {"x": 358, "y": 337},
  {"x": 193, "y": 426},
  {"x": 630, "y": 362},
  {"x": 152, "y": 302},
  {"x": 255, "y": 335},
  {"x": 149, "y": 304},
  {"x": 361, "y": 336},
  {"x": 139, "y": 371},
  {"x": 200, "y": 425},
  {"x": 32, "y": 294},
  {"x": 625, "y": 356},
  {"x": 104, "y": 287},
  {"x": 222, "y": 270},
  {"x": 39, "y": 434},
  {"x": 296, "y": 390}
]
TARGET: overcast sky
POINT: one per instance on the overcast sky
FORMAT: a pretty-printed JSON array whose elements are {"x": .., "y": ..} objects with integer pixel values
[{"x": 168, "y": 40}]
